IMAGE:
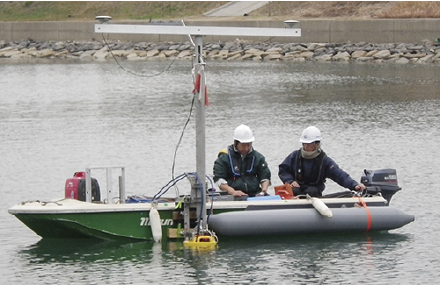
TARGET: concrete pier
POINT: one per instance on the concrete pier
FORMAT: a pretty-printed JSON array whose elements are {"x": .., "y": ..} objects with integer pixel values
[{"x": 321, "y": 31}]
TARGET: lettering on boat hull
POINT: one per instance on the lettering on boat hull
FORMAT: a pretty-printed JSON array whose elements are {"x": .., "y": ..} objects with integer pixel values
[{"x": 145, "y": 221}]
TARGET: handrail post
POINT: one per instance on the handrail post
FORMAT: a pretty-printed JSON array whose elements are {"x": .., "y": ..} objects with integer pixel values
[
  {"x": 122, "y": 186},
  {"x": 88, "y": 186},
  {"x": 109, "y": 185}
]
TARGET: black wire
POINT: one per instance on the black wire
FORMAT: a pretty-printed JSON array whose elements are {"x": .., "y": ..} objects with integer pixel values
[
  {"x": 168, "y": 186},
  {"x": 140, "y": 75},
  {"x": 181, "y": 135},
  {"x": 130, "y": 72},
  {"x": 269, "y": 40}
]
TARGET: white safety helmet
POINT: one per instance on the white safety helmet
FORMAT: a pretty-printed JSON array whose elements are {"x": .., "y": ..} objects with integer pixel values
[
  {"x": 310, "y": 134},
  {"x": 243, "y": 134}
]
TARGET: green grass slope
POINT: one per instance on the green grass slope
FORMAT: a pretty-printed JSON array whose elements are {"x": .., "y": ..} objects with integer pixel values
[{"x": 186, "y": 10}]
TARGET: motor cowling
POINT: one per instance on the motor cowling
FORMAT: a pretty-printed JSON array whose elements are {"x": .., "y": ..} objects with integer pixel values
[
  {"x": 383, "y": 181},
  {"x": 75, "y": 188}
]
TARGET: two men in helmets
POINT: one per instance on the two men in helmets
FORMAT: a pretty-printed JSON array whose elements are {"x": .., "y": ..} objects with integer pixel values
[{"x": 240, "y": 170}]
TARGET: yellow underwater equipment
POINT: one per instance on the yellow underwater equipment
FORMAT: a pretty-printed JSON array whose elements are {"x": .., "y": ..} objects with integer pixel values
[{"x": 202, "y": 241}]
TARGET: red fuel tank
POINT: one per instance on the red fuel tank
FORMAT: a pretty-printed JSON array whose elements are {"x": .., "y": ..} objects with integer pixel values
[{"x": 72, "y": 185}]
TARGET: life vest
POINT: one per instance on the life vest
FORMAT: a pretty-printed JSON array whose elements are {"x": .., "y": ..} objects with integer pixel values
[
  {"x": 315, "y": 176},
  {"x": 235, "y": 163}
]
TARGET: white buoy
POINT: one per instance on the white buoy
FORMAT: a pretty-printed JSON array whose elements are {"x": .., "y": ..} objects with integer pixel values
[
  {"x": 156, "y": 227},
  {"x": 321, "y": 207}
]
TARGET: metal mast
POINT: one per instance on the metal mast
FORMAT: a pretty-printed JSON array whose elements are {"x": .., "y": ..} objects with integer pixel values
[{"x": 198, "y": 32}]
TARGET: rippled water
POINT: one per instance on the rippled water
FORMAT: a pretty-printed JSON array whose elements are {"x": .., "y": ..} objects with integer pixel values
[{"x": 58, "y": 118}]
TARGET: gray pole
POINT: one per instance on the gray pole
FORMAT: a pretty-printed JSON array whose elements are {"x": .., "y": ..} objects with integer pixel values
[{"x": 200, "y": 130}]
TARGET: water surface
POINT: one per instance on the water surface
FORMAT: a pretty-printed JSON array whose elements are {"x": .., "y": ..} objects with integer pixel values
[{"x": 57, "y": 118}]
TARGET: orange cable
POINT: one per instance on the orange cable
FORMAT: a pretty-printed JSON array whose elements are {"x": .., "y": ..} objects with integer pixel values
[{"x": 368, "y": 213}]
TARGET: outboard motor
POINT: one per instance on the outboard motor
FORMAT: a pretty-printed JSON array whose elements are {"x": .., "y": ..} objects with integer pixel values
[
  {"x": 382, "y": 181},
  {"x": 76, "y": 188}
]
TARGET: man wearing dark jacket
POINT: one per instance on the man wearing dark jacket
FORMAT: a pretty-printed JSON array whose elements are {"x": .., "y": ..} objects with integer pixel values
[
  {"x": 307, "y": 169},
  {"x": 240, "y": 170}
]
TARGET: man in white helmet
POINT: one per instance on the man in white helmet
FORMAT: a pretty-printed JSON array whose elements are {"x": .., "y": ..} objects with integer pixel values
[
  {"x": 240, "y": 170},
  {"x": 307, "y": 169}
]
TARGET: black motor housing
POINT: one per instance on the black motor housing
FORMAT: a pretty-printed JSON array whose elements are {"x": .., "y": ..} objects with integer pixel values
[
  {"x": 96, "y": 192},
  {"x": 383, "y": 181}
]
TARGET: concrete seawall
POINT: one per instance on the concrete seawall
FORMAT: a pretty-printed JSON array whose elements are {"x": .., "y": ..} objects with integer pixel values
[{"x": 321, "y": 31}]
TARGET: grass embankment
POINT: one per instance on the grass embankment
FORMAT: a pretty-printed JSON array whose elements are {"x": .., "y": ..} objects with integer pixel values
[
  {"x": 352, "y": 9},
  {"x": 165, "y": 10},
  {"x": 87, "y": 10}
]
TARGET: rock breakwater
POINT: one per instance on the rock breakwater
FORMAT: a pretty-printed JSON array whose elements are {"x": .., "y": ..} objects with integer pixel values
[{"x": 400, "y": 53}]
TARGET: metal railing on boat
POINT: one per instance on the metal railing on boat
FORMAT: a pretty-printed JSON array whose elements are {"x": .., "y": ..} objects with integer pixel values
[{"x": 109, "y": 186}]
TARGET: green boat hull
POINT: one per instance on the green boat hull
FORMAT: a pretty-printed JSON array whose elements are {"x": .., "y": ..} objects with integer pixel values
[{"x": 106, "y": 226}]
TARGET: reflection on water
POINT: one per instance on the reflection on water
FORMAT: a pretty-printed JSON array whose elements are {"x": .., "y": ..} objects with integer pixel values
[
  {"x": 313, "y": 258},
  {"x": 274, "y": 260},
  {"x": 88, "y": 251},
  {"x": 57, "y": 118}
]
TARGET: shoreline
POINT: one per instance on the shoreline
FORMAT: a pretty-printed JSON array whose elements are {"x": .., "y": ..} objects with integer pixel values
[{"x": 400, "y": 53}]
